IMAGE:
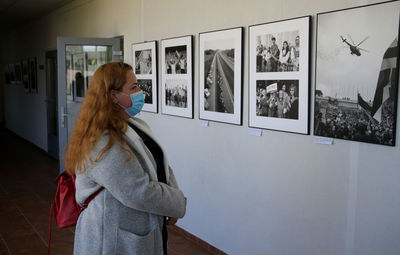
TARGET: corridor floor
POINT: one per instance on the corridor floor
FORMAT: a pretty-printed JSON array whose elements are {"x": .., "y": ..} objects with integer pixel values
[{"x": 26, "y": 191}]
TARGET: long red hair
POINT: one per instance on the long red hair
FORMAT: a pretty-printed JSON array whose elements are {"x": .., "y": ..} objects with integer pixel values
[{"x": 98, "y": 114}]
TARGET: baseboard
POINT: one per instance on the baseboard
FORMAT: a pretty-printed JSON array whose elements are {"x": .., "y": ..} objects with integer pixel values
[{"x": 196, "y": 240}]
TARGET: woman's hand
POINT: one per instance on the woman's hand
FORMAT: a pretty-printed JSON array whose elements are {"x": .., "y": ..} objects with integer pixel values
[{"x": 171, "y": 221}]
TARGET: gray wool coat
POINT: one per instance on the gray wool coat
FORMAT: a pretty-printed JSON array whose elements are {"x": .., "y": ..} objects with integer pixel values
[{"x": 127, "y": 216}]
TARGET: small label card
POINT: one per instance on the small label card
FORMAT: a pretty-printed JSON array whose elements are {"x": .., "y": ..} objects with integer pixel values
[
  {"x": 323, "y": 140},
  {"x": 165, "y": 117},
  {"x": 204, "y": 123},
  {"x": 255, "y": 131}
]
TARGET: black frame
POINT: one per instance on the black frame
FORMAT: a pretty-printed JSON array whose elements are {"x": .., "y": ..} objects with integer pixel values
[
  {"x": 25, "y": 75},
  {"x": 241, "y": 74},
  {"x": 396, "y": 73},
  {"x": 192, "y": 80},
  {"x": 33, "y": 82},
  {"x": 310, "y": 42},
  {"x": 155, "y": 73}
]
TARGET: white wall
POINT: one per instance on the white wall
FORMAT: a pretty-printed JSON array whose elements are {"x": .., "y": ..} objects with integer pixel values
[{"x": 275, "y": 194}]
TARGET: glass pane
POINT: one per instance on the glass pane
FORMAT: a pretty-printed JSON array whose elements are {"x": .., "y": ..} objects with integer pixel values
[{"x": 81, "y": 62}]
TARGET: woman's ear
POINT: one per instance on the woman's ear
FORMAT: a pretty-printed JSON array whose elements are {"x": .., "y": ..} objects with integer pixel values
[{"x": 114, "y": 96}]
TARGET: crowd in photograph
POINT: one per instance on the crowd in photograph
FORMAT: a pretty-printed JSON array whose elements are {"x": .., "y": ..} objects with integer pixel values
[
  {"x": 145, "y": 86},
  {"x": 176, "y": 96},
  {"x": 271, "y": 58},
  {"x": 176, "y": 62},
  {"x": 278, "y": 104},
  {"x": 355, "y": 124}
]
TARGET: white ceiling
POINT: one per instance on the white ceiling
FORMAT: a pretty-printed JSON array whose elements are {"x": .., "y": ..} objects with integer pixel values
[{"x": 15, "y": 13}]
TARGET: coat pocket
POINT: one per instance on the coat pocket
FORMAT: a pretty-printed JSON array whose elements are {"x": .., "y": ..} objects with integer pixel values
[{"x": 130, "y": 243}]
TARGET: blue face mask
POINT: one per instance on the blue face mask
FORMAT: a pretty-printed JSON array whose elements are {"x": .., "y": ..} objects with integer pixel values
[{"x": 137, "y": 103}]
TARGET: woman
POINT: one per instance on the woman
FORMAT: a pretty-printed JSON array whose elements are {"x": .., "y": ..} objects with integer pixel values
[
  {"x": 110, "y": 148},
  {"x": 284, "y": 57}
]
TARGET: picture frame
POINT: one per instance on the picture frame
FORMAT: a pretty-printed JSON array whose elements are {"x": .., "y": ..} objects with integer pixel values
[
  {"x": 18, "y": 73},
  {"x": 32, "y": 75},
  {"x": 177, "y": 76},
  {"x": 356, "y": 73},
  {"x": 7, "y": 74},
  {"x": 25, "y": 75},
  {"x": 11, "y": 69},
  {"x": 221, "y": 68},
  {"x": 144, "y": 63},
  {"x": 279, "y": 86}
]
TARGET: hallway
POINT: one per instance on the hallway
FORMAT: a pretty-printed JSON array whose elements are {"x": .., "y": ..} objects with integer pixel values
[{"x": 26, "y": 191}]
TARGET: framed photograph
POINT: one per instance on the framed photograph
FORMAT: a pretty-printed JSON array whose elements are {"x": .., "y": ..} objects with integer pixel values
[
  {"x": 177, "y": 76},
  {"x": 144, "y": 62},
  {"x": 357, "y": 73},
  {"x": 11, "y": 70},
  {"x": 221, "y": 59},
  {"x": 18, "y": 73},
  {"x": 32, "y": 75},
  {"x": 7, "y": 74},
  {"x": 25, "y": 75},
  {"x": 279, "y": 84}
]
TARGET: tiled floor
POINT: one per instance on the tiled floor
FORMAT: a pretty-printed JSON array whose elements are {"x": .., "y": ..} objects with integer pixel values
[{"x": 27, "y": 188}]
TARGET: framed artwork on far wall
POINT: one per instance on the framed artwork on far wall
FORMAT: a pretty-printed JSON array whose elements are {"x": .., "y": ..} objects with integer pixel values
[
  {"x": 279, "y": 75},
  {"x": 357, "y": 73},
  {"x": 221, "y": 58},
  {"x": 33, "y": 83},
  {"x": 177, "y": 76},
  {"x": 144, "y": 62},
  {"x": 18, "y": 73},
  {"x": 7, "y": 74},
  {"x": 11, "y": 69},
  {"x": 25, "y": 75}
]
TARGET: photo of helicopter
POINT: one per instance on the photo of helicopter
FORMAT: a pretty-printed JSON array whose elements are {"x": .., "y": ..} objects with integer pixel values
[{"x": 354, "y": 49}]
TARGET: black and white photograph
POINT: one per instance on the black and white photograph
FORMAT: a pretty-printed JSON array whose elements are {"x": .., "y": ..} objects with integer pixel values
[
  {"x": 279, "y": 86},
  {"x": 220, "y": 75},
  {"x": 25, "y": 75},
  {"x": 176, "y": 59},
  {"x": 144, "y": 62},
  {"x": 146, "y": 87},
  {"x": 18, "y": 73},
  {"x": 357, "y": 74},
  {"x": 11, "y": 70},
  {"x": 279, "y": 52},
  {"x": 176, "y": 93},
  {"x": 177, "y": 76},
  {"x": 278, "y": 99}
]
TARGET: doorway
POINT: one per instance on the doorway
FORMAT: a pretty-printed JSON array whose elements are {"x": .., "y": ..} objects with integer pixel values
[
  {"x": 51, "y": 103},
  {"x": 78, "y": 59}
]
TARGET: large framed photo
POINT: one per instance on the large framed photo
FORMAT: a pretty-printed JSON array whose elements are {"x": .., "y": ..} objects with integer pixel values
[
  {"x": 177, "y": 76},
  {"x": 145, "y": 66},
  {"x": 357, "y": 73},
  {"x": 33, "y": 83},
  {"x": 221, "y": 60},
  {"x": 279, "y": 75}
]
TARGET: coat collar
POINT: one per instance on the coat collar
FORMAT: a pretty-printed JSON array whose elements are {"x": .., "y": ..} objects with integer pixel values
[{"x": 140, "y": 124}]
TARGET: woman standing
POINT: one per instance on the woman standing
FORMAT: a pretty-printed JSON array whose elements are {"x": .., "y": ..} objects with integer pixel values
[{"x": 110, "y": 148}]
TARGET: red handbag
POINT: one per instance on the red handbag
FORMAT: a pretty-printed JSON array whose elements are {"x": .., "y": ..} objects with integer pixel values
[{"x": 64, "y": 208}]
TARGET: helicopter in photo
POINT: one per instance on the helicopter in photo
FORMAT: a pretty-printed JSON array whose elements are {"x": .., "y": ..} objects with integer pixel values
[{"x": 354, "y": 49}]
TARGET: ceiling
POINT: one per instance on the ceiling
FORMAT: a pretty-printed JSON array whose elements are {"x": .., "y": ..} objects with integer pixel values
[{"x": 15, "y": 13}]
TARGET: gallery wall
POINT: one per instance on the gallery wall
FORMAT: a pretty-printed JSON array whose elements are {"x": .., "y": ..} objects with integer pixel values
[{"x": 280, "y": 193}]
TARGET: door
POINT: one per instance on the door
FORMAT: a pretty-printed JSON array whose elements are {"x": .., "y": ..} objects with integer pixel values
[
  {"x": 51, "y": 103},
  {"x": 78, "y": 59}
]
